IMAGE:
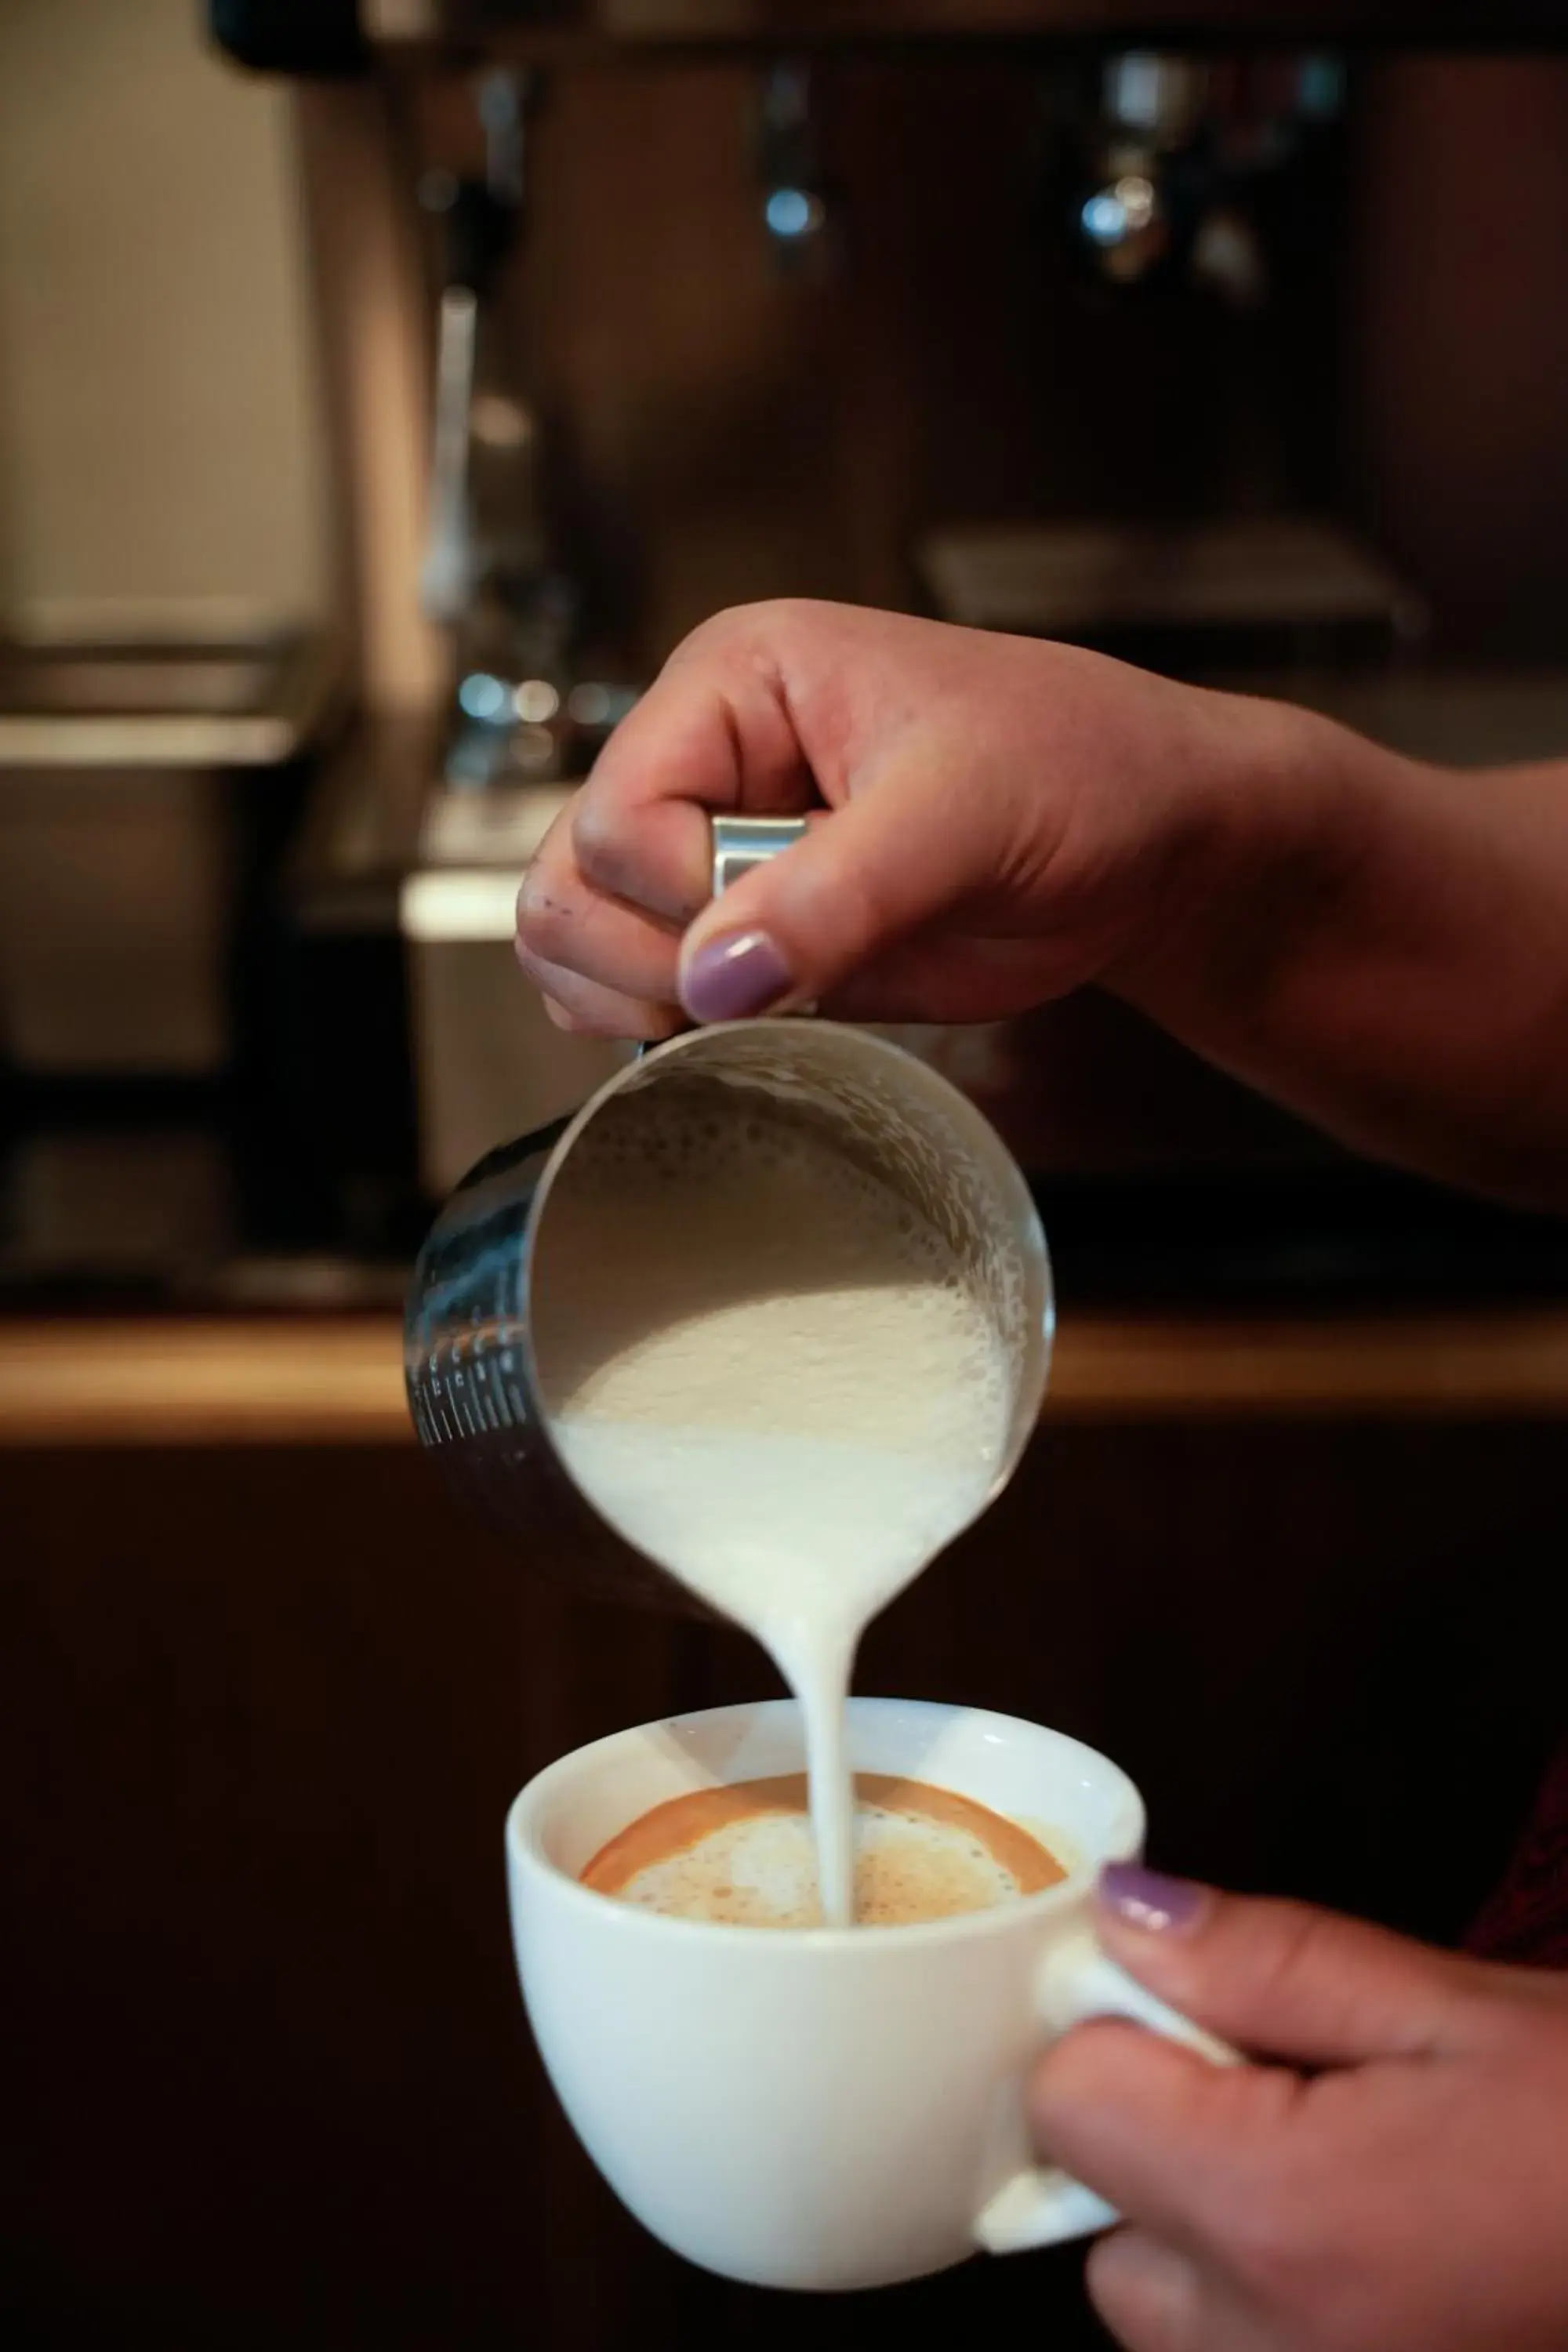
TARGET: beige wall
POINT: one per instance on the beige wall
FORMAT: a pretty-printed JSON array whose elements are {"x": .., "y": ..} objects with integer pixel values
[{"x": 160, "y": 448}]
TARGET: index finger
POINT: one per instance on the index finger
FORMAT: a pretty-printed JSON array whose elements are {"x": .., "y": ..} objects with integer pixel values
[{"x": 712, "y": 733}]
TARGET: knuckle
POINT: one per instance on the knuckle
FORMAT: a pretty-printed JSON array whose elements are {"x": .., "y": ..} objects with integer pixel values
[
  {"x": 732, "y": 622},
  {"x": 1274, "y": 2230},
  {"x": 587, "y": 1009},
  {"x": 631, "y": 1018},
  {"x": 717, "y": 635},
  {"x": 536, "y": 970},
  {"x": 781, "y": 614},
  {"x": 1146, "y": 2294},
  {"x": 1066, "y": 2092},
  {"x": 599, "y": 842},
  {"x": 1295, "y": 1954},
  {"x": 554, "y": 850},
  {"x": 1266, "y": 2244},
  {"x": 747, "y": 633},
  {"x": 545, "y": 915}
]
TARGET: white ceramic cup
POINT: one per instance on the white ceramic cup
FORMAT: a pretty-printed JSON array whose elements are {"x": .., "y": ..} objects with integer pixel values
[{"x": 823, "y": 2107}]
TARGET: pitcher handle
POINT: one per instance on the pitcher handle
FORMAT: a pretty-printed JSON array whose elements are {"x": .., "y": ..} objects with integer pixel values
[{"x": 739, "y": 844}]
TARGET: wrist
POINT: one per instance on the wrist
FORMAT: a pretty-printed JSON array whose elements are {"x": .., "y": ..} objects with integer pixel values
[{"x": 1271, "y": 854}]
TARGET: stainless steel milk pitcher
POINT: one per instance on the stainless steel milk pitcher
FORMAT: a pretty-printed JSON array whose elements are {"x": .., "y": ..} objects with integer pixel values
[{"x": 475, "y": 1388}]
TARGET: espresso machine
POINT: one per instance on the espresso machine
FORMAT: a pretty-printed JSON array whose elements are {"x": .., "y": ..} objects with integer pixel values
[{"x": 636, "y": 309}]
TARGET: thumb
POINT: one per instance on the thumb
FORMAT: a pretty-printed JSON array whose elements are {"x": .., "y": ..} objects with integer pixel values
[
  {"x": 861, "y": 879},
  {"x": 1282, "y": 1979}
]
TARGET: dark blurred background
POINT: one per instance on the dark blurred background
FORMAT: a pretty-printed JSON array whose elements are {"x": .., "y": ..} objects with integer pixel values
[{"x": 385, "y": 389}]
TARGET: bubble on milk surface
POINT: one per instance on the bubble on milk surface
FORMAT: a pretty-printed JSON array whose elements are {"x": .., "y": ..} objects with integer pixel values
[{"x": 760, "y": 1872}]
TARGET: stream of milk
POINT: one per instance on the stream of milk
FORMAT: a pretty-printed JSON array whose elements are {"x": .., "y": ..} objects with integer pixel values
[{"x": 769, "y": 1374}]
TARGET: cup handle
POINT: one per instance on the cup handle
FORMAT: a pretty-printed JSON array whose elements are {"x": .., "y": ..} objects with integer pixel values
[{"x": 1042, "y": 2205}]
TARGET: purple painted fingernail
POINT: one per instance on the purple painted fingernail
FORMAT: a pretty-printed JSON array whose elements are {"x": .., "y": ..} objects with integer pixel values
[
  {"x": 731, "y": 979},
  {"x": 1148, "y": 1899}
]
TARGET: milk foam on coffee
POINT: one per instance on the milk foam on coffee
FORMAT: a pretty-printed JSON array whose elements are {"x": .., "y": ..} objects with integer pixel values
[
  {"x": 769, "y": 1373},
  {"x": 743, "y": 1855}
]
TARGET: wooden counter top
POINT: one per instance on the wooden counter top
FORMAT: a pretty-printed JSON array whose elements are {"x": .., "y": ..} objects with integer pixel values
[{"x": 339, "y": 1381}]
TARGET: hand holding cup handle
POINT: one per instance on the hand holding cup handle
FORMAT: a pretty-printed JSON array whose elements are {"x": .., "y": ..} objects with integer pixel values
[{"x": 1041, "y": 2205}]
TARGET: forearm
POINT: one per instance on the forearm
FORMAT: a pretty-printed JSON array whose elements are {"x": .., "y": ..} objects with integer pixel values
[{"x": 1383, "y": 946}]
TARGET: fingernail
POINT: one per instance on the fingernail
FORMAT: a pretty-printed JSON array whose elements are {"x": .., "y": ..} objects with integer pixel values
[
  {"x": 1148, "y": 1899},
  {"x": 729, "y": 979}
]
